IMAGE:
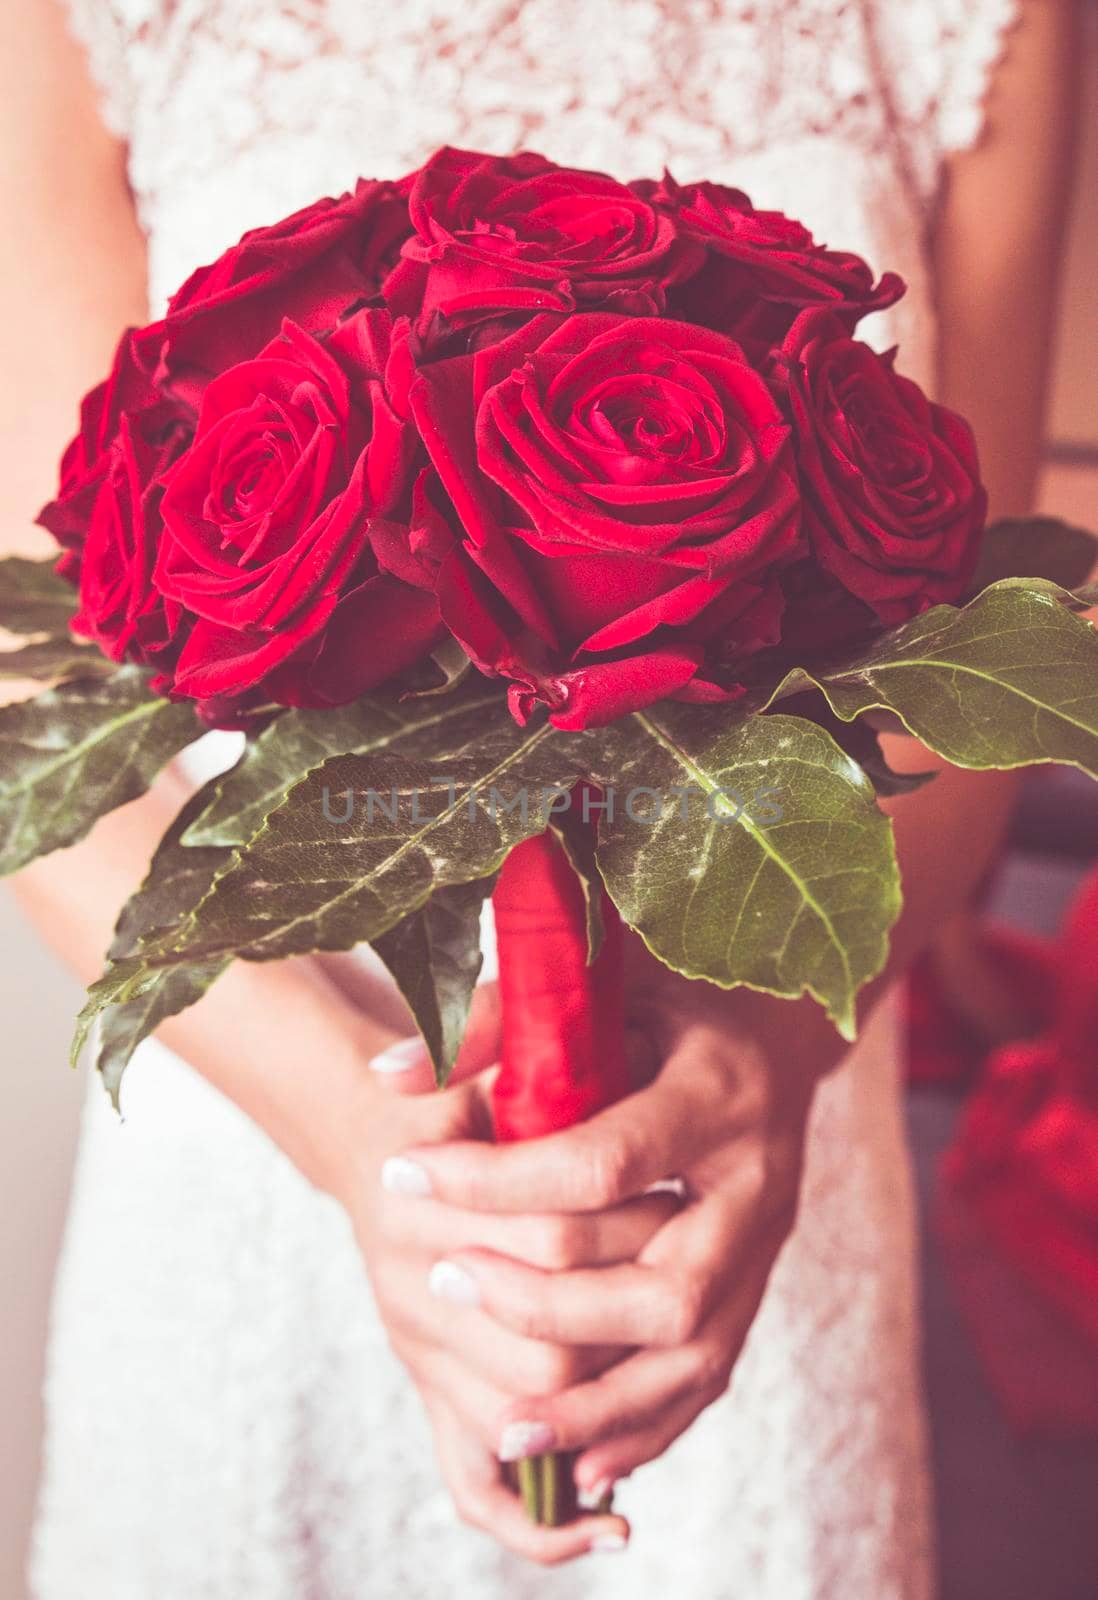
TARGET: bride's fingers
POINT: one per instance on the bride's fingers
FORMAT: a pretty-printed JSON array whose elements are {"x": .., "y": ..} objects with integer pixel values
[
  {"x": 653, "y": 1134},
  {"x": 405, "y": 1066},
  {"x": 483, "y": 1500},
  {"x": 510, "y": 1364},
  {"x": 646, "y": 1411},
  {"x": 552, "y": 1242},
  {"x": 625, "y": 1399},
  {"x": 607, "y": 1463},
  {"x": 651, "y": 1393},
  {"x": 642, "y": 1301}
]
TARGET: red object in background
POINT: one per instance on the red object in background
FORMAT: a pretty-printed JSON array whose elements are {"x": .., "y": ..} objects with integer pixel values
[
  {"x": 1018, "y": 1209},
  {"x": 943, "y": 1048},
  {"x": 563, "y": 1047}
]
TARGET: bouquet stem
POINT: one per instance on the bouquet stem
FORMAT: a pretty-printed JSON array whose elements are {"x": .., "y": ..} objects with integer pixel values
[{"x": 563, "y": 1045}]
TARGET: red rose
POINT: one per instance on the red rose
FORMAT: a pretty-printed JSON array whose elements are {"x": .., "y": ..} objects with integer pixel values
[
  {"x": 893, "y": 504},
  {"x": 310, "y": 268},
  {"x": 626, "y": 496},
  {"x": 153, "y": 418},
  {"x": 763, "y": 266},
  {"x": 120, "y": 608},
  {"x": 265, "y": 522},
  {"x": 494, "y": 235}
]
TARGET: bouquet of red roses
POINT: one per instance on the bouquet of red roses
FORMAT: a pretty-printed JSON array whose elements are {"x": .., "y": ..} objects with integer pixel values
[{"x": 549, "y": 538}]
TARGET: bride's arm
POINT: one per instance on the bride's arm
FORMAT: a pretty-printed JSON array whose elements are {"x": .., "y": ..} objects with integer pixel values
[
  {"x": 997, "y": 248},
  {"x": 728, "y": 1109},
  {"x": 996, "y": 255}
]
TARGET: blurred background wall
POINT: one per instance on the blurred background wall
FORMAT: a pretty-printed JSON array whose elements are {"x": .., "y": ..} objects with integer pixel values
[
  {"x": 38, "y": 999},
  {"x": 1070, "y": 487},
  {"x": 38, "y": 1117}
]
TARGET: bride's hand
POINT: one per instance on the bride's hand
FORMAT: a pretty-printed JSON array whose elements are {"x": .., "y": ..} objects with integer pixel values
[
  {"x": 470, "y": 1369},
  {"x": 726, "y": 1113}
]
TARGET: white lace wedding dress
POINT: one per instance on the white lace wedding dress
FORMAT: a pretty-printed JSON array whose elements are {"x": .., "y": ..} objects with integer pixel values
[{"x": 226, "y": 1421}]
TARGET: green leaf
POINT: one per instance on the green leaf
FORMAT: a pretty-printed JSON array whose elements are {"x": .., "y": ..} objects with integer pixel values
[
  {"x": 123, "y": 1027},
  {"x": 435, "y": 958},
  {"x": 1009, "y": 681},
  {"x": 133, "y": 995},
  {"x": 38, "y": 605},
  {"x": 76, "y": 752},
  {"x": 860, "y": 740},
  {"x": 178, "y": 878},
  {"x": 887, "y": 782},
  {"x": 121, "y": 982},
  {"x": 129, "y": 1002},
  {"x": 1035, "y": 547},
  {"x": 577, "y": 840},
  {"x": 232, "y": 808},
  {"x": 133, "y": 999},
  {"x": 55, "y": 659},
  {"x": 297, "y": 742},
  {"x": 771, "y": 866},
  {"x": 33, "y": 599},
  {"x": 364, "y": 840}
]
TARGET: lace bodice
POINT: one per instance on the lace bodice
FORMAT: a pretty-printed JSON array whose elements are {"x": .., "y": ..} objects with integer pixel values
[
  {"x": 237, "y": 111},
  {"x": 216, "y": 1350}
]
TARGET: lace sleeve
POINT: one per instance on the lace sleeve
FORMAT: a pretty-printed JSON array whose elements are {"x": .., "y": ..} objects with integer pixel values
[
  {"x": 974, "y": 39},
  {"x": 104, "y": 34},
  {"x": 937, "y": 59}
]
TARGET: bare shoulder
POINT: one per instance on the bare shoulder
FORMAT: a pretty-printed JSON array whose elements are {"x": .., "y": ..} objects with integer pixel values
[
  {"x": 1040, "y": 58},
  {"x": 1024, "y": 156},
  {"x": 74, "y": 256},
  {"x": 998, "y": 245},
  {"x": 48, "y": 106}
]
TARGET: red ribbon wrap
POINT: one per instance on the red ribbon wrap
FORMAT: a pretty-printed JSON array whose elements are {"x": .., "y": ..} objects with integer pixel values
[{"x": 563, "y": 1044}]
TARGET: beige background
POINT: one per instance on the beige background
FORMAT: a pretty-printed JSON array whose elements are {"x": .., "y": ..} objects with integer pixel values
[{"x": 38, "y": 1000}]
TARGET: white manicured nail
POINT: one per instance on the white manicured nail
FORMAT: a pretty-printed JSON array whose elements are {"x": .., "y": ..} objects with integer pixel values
[
  {"x": 400, "y": 1057},
  {"x": 667, "y": 1186},
  {"x": 588, "y": 1499},
  {"x": 521, "y": 1439},
  {"x": 401, "y": 1176},
  {"x": 450, "y": 1282},
  {"x": 608, "y": 1541}
]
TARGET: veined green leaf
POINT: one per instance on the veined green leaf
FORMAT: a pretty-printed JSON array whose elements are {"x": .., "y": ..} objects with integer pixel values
[
  {"x": 122, "y": 1027},
  {"x": 72, "y": 754},
  {"x": 435, "y": 958},
  {"x": 771, "y": 866},
  {"x": 364, "y": 840},
  {"x": 131, "y": 1000},
  {"x": 297, "y": 742},
  {"x": 33, "y": 599},
  {"x": 179, "y": 876},
  {"x": 1008, "y": 681}
]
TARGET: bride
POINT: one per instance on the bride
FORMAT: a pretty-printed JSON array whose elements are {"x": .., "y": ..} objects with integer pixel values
[{"x": 291, "y": 1270}]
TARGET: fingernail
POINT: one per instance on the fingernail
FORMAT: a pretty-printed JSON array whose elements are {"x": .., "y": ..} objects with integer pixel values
[
  {"x": 608, "y": 1541},
  {"x": 667, "y": 1186},
  {"x": 400, "y": 1057},
  {"x": 450, "y": 1282},
  {"x": 588, "y": 1499},
  {"x": 520, "y": 1439},
  {"x": 401, "y": 1176}
]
